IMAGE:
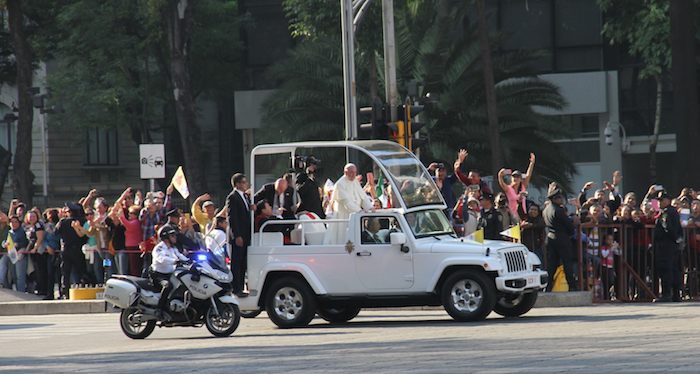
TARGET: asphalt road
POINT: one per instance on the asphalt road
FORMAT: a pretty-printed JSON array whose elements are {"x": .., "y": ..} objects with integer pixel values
[{"x": 645, "y": 338}]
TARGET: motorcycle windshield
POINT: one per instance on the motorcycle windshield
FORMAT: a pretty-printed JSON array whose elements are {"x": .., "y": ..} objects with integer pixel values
[{"x": 218, "y": 257}]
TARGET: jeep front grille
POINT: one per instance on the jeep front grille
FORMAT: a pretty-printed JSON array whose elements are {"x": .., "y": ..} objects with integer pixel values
[{"x": 515, "y": 260}]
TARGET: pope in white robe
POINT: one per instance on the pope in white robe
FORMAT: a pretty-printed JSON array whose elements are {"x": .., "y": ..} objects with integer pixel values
[{"x": 348, "y": 197}]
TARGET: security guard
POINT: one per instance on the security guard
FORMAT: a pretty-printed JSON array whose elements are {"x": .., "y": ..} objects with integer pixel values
[
  {"x": 560, "y": 230},
  {"x": 165, "y": 258},
  {"x": 668, "y": 238},
  {"x": 491, "y": 218}
]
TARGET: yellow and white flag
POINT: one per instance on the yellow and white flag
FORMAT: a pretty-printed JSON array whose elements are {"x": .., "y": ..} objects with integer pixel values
[
  {"x": 477, "y": 236},
  {"x": 513, "y": 232},
  {"x": 180, "y": 183}
]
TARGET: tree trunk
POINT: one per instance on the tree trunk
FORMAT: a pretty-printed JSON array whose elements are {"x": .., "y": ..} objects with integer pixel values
[
  {"x": 373, "y": 79},
  {"x": 22, "y": 178},
  {"x": 657, "y": 127},
  {"x": 179, "y": 22},
  {"x": 490, "y": 90},
  {"x": 685, "y": 91}
]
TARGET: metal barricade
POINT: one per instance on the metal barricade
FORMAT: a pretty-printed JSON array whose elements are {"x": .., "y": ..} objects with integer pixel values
[{"x": 625, "y": 271}]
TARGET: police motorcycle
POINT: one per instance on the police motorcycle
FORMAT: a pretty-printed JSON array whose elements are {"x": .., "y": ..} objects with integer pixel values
[{"x": 200, "y": 295}]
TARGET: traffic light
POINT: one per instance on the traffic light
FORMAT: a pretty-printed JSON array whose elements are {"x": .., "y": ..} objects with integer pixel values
[
  {"x": 398, "y": 132},
  {"x": 377, "y": 127},
  {"x": 410, "y": 127}
]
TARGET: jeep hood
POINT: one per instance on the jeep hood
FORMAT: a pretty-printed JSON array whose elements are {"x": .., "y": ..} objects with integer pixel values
[{"x": 452, "y": 245}]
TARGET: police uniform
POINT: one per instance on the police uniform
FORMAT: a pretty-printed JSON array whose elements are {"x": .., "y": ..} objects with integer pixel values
[
  {"x": 491, "y": 220},
  {"x": 560, "y": 230},
  {"x": 165, "y": 259},
  {"x": 668, "y": 235}
]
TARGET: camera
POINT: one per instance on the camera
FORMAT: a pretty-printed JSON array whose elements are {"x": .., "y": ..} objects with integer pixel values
[
  {"x": 302, "y": 162},
  {"x": 608, "y": 135}
]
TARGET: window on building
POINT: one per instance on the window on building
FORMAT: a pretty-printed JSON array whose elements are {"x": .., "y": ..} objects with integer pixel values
[
  {"x": 581, "y": 126},
  {"x": 102, "y": 147},
  {"x": 565, "y": 32},
  {"x": 581, "y": 150}
]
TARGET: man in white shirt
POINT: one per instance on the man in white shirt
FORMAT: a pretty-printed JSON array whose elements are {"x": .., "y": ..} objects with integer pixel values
[
  {"x": 165, "y": 259},
  {"x": 348, "y": 197},
  {"x": 216, "y": 238}
]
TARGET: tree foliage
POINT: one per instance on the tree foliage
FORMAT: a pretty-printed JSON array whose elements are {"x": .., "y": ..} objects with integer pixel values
[
  {"x": 645, "y": 27},
  {"x": 112, "y": 63}
]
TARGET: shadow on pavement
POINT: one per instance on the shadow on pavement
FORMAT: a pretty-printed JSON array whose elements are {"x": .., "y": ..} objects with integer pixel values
[
  {"x": 20, "y": 326},
  {"x": 235, "y": 335},
  {"x": 379, "y": 322}
]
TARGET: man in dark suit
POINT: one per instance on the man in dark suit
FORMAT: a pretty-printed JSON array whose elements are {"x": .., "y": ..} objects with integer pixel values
[
  {"x": 369, "y": 234},
  {"x": 239, "y": 207},
  {"x": 280, "y": 197},
  {"x": 668, "y": 239}
]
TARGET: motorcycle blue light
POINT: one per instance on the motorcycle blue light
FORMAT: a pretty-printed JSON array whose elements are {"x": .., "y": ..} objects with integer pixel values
[{"x": 201, "y": 257}]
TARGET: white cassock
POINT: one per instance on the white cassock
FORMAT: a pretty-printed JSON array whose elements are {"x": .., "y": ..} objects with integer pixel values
[{"x": 348, "y": 197}]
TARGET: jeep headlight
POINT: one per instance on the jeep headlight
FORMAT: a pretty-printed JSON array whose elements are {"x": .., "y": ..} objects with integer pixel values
[{"x": 534, "y": 260}]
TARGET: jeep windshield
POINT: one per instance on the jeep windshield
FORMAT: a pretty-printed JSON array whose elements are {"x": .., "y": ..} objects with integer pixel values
[
  {"x": 428, "y": 223},
  {"x": 415, "y": 185}
]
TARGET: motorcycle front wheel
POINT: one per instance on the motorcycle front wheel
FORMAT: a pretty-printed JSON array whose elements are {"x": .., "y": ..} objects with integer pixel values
[
  {"x": 132, "y": 326},
  {"x": 224, "y": 323}
]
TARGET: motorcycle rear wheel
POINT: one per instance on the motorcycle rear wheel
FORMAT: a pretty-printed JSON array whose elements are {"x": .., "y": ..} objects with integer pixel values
[
  {"x": 226, "y": 322},
  {"x": 132, "y": 328}
]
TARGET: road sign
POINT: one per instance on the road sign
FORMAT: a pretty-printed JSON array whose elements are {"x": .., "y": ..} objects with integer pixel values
[{"x": 152, "y": 161}]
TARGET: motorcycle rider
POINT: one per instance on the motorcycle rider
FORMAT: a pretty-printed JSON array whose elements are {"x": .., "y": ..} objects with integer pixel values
[{"x": 165, "y": 258}]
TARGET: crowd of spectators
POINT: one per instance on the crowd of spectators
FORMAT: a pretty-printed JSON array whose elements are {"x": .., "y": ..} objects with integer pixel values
[
  {"x": 611, "y": 226},
  {"x": 84, "y": 243}
]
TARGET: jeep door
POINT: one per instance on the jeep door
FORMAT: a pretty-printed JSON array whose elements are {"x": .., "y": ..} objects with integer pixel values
[{"x": 379, "y": 264}]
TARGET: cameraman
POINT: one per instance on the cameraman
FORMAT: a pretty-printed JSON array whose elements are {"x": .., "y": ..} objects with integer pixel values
[{"x": 308, "y": 188}]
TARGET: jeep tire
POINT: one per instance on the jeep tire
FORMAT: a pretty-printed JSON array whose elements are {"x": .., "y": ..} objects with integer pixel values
[
  {"x": 290, "y": 302},
  {"x": 515, "y": 305},
  {"x": 338, "y": 313},
  {"x": 468, "y": 295}
]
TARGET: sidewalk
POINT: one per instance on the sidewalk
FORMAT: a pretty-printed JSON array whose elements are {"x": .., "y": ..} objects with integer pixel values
[{"x": 17, "y": 303}]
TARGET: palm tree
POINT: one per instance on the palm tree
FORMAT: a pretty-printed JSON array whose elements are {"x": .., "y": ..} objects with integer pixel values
[
  {"x": 309, "y": 103},
  {"x": 441, "y": 49},
  {"x": 437, "y": 47}
]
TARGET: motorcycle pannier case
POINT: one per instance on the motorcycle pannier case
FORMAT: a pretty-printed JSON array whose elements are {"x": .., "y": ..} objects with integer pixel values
[{"x": 120, "y": 293}]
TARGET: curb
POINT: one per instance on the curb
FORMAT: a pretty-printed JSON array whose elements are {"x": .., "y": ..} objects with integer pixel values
[
  {"x": 564, "y": 299},
  {"x": 25, "y": 308}
]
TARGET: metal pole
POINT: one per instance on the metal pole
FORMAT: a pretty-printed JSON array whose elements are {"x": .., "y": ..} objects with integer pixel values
[
  {"x": 392, "y": 93},
  {"x": 152, "y": 184},
  {"x": 349, "y": 70},
  {"x": 44, "y": 168}
]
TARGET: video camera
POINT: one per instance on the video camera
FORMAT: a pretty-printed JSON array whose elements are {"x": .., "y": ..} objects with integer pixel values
[{"x": 301, "y": 162}]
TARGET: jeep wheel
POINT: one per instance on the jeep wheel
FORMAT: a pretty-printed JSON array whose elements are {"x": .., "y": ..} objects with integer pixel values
[
  {"x": 515, "y": 305},
  {"x": 338, "y": 314},
  {"x": 468, "y": 295},
  {"x": 290, "y": 303}
]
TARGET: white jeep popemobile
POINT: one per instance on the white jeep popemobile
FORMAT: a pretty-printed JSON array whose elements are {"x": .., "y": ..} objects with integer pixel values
[{"x": 407, "y": 256}]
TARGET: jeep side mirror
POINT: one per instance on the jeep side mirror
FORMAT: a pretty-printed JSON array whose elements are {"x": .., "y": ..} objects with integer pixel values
[{"x": 397, "y": 238}]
